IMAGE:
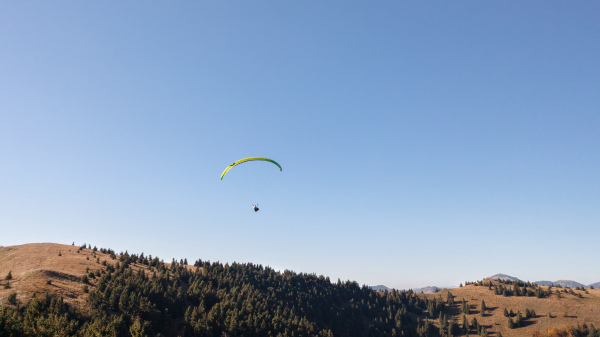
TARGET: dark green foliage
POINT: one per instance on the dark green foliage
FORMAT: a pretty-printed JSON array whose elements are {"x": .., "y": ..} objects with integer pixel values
[
  {"x": 435, "y": 306},
  {"x": 450, "y": 299},
  {"x": 9, "y": 275},
  {"x": 474, "y": 324},
  {"x": 519, "y": 288},
  {"x": 43, "y": 316},
  {"x": 505, "y": 312},
  {"x": 519, "y": 319},
  {"x": 222, "y": 300},
  {"x": 423, "y": 329},
  {"x": 511, "y": 324},
  {"x": 12, "y": 298}
]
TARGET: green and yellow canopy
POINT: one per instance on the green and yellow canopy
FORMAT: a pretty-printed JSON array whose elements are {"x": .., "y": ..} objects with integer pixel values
[{"x": 235, "y": 163}]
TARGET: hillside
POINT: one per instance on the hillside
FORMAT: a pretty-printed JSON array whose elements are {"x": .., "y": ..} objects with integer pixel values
[
  {"x": 135, "y": 295},
  {"x": 566, "y": 310},
  {"x": 38, "y": 267},
  {"x": 122, "y": 295}
]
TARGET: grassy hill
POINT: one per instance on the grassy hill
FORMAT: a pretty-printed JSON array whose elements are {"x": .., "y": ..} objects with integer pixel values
[
  {"x": 566, "y": 309},
  {"x": 109, "y": 294},
  {"x": 42, "y": 267},
  {"x": 59, "y": 290}
]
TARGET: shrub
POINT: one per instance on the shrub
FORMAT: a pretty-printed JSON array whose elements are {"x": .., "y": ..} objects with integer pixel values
[
  {"x": 12, "y": 298},
  {"x": 9, "y": 275}
]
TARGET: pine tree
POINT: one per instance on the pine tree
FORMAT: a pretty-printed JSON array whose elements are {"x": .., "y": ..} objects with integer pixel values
[
  {"x": 519, "y": 320},
  {"x": 505, "y": 312},
  {"x": 465, "y": 324},
  {"x": 9, "y": 276},
  {"x": 450, "y": 299},
  {"x": 511, "y": 324},
  {"x": 474, "y": 324},
  {"x": 483, "y": 308},
  {"x": 12, "y": 298},
  {"x": 465, "y": 307}
]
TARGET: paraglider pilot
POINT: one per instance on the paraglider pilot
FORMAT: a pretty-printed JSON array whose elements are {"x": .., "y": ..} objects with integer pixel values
[{"x": 255, "y": 207}]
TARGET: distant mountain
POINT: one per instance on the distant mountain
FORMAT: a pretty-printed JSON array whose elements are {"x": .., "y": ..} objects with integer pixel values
[
  {"x": 503, "y": 277},
  {"x": 380, "y": 288},
  {"x": 562, "y": 283},
  {"x": 427, "y": 290},
  {"x": 595, "y": 285}
]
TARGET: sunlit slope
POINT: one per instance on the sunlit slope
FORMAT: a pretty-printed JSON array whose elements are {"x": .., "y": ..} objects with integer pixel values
[
  {"x": 566, "y": 310},
  {"x": 42, "y": 267}
]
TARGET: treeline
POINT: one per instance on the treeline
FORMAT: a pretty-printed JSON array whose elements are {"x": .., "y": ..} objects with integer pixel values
[
  {"x": 142, "y": 296},
  {"x": 514, "y": 288}
]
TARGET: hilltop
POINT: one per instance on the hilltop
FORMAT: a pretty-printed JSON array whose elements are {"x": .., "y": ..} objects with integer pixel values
[{"x": 48, "y": 267}]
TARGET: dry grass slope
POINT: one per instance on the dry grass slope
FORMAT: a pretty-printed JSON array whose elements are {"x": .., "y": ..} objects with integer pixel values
[
  {"x": 38, "y": 267},
  {"x": 568, "y": 310}
]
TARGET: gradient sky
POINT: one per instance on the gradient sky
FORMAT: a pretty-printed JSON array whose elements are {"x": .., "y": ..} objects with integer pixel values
[{"x": 422, "y": 143}]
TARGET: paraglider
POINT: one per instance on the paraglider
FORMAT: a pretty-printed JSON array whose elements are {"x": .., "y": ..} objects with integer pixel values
[{"x": 237, "y": 162}]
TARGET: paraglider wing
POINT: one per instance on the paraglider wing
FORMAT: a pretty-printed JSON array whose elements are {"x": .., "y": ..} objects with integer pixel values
[{"x": 235, "y": 163}]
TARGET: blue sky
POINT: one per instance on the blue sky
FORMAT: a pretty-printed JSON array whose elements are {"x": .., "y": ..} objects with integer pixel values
[{"x": 422, "y": 143}]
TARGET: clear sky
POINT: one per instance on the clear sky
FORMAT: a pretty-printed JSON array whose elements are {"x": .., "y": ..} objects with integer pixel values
[{"x": 422, "y": 142}]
